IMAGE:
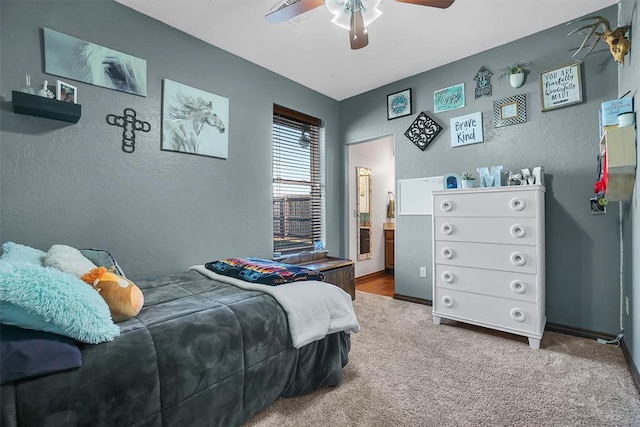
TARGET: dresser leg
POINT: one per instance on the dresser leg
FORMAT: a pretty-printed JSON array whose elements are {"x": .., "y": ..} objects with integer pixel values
[
  {"x": 436, "y": 319},
  {"x": 534, "y": 343}
]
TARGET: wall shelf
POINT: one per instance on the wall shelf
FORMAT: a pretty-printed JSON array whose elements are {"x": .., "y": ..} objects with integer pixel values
[
  {"x": 621, "y": 161},
  {"x": 33, "y": 105}
]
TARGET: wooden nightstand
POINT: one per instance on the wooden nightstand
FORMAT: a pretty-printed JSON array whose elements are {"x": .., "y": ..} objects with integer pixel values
[{"x": 337, "y": 271}]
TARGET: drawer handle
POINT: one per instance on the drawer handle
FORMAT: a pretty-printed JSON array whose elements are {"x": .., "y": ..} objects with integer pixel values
[
  {"x": 447, "y": 229},
  {"x": 518, "y": 231},
  {"x": 447, "y": 301},
  {"x": 448, "y": 277},
  {"x": 518, "y": 259},
  {"x": 448, "y": 253},
  {"x": 518, "y": 287},
  {"x": 517, "y": 204},
  {"x": 446, "y": 205},
  {"x": 518, "y": 315}
]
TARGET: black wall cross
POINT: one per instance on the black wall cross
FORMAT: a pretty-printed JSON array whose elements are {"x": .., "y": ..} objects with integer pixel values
[{"x": 129, "y": 125}]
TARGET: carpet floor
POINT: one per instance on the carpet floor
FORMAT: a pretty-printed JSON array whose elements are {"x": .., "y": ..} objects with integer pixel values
[{"x": 405, "y": 371}]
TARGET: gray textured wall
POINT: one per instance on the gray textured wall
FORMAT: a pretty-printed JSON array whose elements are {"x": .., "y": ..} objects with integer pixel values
[
  {"x": 582, "y": 250},
  {"x": 157, "y": 211}
]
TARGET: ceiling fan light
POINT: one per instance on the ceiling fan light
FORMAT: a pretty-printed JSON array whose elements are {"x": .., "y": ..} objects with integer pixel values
[
  {"x": 343, "y": 20},
  {"x": 369, "y": 15},
  {"x": 337, "y": 7}
]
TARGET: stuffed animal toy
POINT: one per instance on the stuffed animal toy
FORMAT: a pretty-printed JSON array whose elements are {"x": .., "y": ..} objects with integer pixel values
[{"x": 124, "y": 299}]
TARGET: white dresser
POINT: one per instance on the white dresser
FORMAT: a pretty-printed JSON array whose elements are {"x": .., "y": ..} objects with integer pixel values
[{"x": 488, "y": 258}]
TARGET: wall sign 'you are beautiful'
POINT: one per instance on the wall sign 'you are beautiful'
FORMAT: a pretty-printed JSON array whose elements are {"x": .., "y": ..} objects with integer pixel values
[{"x": 560, "y": 87}]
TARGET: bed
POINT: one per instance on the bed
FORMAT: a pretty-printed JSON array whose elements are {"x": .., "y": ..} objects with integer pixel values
[{"x": 201, "y": 352}]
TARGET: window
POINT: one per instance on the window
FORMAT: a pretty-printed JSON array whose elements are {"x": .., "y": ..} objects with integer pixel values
[{"x": 298, "y": 201}]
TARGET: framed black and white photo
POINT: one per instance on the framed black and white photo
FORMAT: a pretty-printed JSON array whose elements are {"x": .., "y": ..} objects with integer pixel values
[
  {"x": 87, "y": 62},
  {"x": 399, "y": 104},
  {"x": 194, "y": 121},
  {"x": 560, "y": 87},
  {"x": 65, "y": 92}
]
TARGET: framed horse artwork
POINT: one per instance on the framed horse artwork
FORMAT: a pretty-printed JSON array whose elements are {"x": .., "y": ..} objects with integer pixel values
[{"x": 194, "y": 121}]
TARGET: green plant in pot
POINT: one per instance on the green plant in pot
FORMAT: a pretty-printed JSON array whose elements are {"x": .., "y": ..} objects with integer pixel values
[
  {"x": 515, "y": 72},
  {"x": 467, "y": 180}
]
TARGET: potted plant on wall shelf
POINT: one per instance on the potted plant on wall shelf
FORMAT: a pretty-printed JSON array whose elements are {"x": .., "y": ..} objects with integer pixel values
[
  {"x": 515, "y": 72},
  {"x": 467, "y": 180}
]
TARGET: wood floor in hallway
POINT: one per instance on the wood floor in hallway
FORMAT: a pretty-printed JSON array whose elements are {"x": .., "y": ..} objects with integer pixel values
[{"x": 380, "y": 283}]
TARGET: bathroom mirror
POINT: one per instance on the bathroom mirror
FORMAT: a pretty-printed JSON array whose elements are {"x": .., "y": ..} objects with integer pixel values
[{"x": 363, "y": 192}]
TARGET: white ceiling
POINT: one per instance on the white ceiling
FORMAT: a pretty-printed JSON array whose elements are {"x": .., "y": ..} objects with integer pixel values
[{"x": 406, "y": 40}]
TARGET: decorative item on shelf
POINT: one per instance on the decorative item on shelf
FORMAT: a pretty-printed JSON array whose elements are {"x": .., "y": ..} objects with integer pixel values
[
  {"x": 483, "y": 82},
  {"x": 490, "y": 179},
  {"x": 533, "y": 178},
  {"x": 616, "y": 39},
  {"x": 626, "y": 119},
  {"x": 399, "y": 104},
  {"x": 610, "y": 110},
  {"x": 423, "y": 130},
  {"x": 560, "y": 87},
  {"x": 510, "y": 111},
  {"x": 45, "y": 92},
  {"x": 27, "y": 85},
  {"x": 448, "y": 98},
  {"x": 514, "y": 178},
  {"x": 129, "y": 124},
  {"x": 515, "y": 73},
  {"x": 468, "y": 180},
  {"x": 66, "y": 93},
  {"x": 466, "y": 130},
  {"x": 451, "y": 181}
]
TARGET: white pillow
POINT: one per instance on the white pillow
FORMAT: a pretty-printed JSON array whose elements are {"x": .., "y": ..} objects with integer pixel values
[{"x": 67, "y": 259}]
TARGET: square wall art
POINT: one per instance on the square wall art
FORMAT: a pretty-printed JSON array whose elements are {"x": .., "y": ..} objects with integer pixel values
[{"x": 194, "y": 121}]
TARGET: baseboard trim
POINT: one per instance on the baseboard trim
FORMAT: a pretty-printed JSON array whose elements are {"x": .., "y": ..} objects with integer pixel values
[
  {"x": 632, "y": 366},
  {"x": 577, "y": 332},
  {"x": 373, "y": 275},
  {"x": 412, "y": 299}
]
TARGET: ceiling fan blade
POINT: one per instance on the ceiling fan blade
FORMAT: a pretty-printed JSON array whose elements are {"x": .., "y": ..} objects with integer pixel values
[
  {"x": 442, "y": 4},
  {"x": 288, "y": 11},
  {"x": 357, "y": 32}
]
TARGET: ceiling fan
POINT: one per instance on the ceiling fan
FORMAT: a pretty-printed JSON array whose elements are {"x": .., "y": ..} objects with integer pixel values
[{"x": 353, "y": 15}]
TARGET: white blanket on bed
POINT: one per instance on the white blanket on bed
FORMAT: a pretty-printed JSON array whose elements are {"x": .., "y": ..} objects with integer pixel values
[{"x": 314, "y": 309}]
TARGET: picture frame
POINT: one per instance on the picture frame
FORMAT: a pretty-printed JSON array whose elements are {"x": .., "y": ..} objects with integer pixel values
[
  {"x": 194, "y": 121},
  {"x": 448, "y": 98},
  {"x": 561, "y": 86},
  {"x": 80, "y": 60},
  {"x": 399, "y": 104},
  {"x": 66, "y": 92},
  {"x": 510, "y": 111}
]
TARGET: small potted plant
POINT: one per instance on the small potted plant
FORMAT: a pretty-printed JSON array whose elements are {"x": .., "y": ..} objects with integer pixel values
[
  {"x": 515, "y": 72},
  {"x": 467, "y": 180}
]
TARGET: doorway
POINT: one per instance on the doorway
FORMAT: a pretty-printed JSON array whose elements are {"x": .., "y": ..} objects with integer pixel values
[{"x": 373, "y": 272}]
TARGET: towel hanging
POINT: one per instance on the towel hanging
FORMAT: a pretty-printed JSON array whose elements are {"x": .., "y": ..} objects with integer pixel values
[{"x": 391, "y": 205}]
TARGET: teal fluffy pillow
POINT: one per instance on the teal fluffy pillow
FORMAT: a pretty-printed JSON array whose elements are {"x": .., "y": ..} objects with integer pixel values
[
  {"x": 16, "y": 253},
  {"x": 43, "y": 298}
]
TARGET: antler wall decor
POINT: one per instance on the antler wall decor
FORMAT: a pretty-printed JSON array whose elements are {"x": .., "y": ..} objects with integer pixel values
[{"x": 618, "y": 43}]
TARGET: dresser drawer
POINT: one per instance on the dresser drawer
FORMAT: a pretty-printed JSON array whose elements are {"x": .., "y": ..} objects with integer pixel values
[
  {"x": 504, "y": 284},
  {"x": 488, "y": 311},
  {"x": 521, "y": 259},
  {"x": 515, "y": 231},
  {"x": 479, "y": 203}
]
